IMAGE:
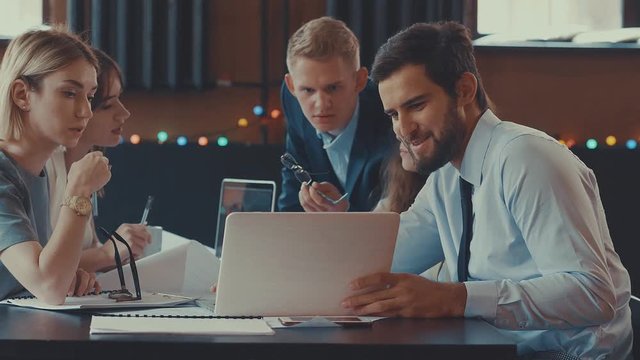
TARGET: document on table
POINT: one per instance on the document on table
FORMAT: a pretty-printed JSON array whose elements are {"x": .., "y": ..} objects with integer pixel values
[
  {"x": 183, "y": 266},
  {"x": 101, "y": 301}
]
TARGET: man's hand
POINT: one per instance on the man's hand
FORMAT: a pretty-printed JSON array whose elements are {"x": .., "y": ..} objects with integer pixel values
[
  {"x": 83, "y": 283},
  {"x": 406, "y": 295},
  {"x": 312, "y": 201}
]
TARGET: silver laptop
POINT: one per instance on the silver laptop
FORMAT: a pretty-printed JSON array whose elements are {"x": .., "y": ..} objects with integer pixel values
[
  {"x": 299, "y": 263},
  {"x": 240, "y": 195}
]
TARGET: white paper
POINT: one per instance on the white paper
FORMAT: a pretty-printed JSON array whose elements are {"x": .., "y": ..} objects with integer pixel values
[
  {"x": 180, "y": 310},
  {"x": 186, "y": 326},
  {"x": 183, "y": 267},
  {"x": 101, "y": 301}
]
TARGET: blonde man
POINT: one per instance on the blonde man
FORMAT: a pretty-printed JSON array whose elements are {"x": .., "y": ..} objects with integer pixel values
[{"x": 336, "y": 127}]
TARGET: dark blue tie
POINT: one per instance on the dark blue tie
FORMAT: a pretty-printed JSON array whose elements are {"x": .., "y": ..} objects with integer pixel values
[{"x": 466, "y": 189}]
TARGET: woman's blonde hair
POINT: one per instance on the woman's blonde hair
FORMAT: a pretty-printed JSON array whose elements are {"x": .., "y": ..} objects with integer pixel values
[{"x": 31, "y": 57}]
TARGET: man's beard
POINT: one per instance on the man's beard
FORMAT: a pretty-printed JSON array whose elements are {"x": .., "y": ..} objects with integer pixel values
[{"x": 446, "y": 145}]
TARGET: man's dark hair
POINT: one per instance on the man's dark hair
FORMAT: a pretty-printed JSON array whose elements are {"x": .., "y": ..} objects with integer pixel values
[{"x": 445, "y": 49}]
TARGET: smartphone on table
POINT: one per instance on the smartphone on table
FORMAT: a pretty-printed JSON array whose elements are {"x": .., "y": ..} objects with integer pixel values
[{"x": 340, "y": 320}]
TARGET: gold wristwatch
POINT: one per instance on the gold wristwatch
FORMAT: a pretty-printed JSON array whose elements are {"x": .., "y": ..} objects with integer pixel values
[{"x": 80, "y": 204}]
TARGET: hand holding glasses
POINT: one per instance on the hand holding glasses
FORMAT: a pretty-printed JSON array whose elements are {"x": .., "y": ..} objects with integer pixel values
[
  {"x": 305, "y": 177},
  {"x": 123, "y": 294}
]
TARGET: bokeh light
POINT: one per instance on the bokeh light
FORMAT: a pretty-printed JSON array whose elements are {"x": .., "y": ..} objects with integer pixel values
[
  {"x": 275, "y": 113},
  {"x": 162, "y": 136},
  {"x": 243, "y": 122},
  {"x": 135, "y": 139},
  {"x": 258, "y": 110},
  {"x": 223, "y": 141}
]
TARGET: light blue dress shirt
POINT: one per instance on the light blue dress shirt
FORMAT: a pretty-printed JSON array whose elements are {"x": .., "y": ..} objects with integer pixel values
[
  {"x": 338, "y": 147},
  {"x": 543, "y": 268}
]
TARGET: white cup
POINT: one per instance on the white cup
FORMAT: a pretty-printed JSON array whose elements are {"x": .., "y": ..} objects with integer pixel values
[{"x": 156, "y": 241}]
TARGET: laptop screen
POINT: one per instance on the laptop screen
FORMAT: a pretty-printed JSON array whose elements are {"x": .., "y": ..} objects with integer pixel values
[{"x": 242, "y": 195}]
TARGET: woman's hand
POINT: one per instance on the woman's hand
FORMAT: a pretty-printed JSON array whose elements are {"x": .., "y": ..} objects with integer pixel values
[
  {"x": 83, "y": 283},
  {"x": 88, "y": 175}
]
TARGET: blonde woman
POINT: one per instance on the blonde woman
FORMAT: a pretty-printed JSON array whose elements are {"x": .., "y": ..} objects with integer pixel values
[
  {"x": 104, "y": 130},
  {"x": 47, "y": 81}
]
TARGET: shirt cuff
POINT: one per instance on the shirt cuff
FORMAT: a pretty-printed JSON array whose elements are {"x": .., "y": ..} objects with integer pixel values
[{"x": 482, "y": 299}]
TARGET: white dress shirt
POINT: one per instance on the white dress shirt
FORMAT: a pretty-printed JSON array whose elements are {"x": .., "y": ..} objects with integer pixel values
[{"x": 543, "y": 268}]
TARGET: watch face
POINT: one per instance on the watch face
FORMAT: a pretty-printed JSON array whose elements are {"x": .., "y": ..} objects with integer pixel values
[{"x": 82, "y": 205}]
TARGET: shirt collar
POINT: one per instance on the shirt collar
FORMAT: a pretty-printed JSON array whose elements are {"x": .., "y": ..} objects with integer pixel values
[{"x": 476, "y": 151}]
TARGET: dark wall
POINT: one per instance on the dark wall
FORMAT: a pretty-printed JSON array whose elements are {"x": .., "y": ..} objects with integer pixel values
[
  {"x": 186, "y": 181},
  {"x": 618, "y": 177}
]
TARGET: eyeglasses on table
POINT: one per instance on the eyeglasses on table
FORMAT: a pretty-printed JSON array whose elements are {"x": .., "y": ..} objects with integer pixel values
[{"x": 123, "y": 294}]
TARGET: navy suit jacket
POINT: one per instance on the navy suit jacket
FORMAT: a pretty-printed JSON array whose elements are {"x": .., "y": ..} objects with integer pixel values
[{"x": 371, "y": 145}]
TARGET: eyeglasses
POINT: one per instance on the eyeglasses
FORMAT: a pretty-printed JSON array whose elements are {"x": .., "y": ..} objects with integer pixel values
[
  {"x": 305, "y": 177},
  {"x": 123, "y": 294}
]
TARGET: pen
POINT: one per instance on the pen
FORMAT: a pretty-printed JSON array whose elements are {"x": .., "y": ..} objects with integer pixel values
[{"x": 147, "y": 207}]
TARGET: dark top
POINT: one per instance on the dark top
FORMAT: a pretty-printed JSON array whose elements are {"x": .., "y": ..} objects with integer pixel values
[
  {"x": 371, "y": 145},
  {"x": 24, "y": 214}
]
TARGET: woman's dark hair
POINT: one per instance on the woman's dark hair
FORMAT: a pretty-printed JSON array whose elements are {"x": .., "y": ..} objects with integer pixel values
[
  {"x": 108, "y": 67},
  {"x": 400, "y": 186}
]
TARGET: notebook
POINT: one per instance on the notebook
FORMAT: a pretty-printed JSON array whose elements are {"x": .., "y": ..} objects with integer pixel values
[
  {"x": 242, "y": 195},
  {"x": 282, "y": 264},
  {"x": 162, "y": 323}
]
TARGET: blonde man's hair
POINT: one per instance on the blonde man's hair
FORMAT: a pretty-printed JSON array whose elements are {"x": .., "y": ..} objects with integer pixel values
[
  {"x": 322, "y": 38},
  {"x": 31, "y": 57}
]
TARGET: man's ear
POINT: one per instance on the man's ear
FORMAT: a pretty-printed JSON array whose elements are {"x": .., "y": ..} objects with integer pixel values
[
  {"x": 466, "y": 88},
  {"x": 20, "y": 94},
  {"x": 288, "y": 80},
  {"x": 362, "y": 75}
]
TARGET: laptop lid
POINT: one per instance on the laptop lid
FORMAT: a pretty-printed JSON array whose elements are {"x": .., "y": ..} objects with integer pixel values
[
  {"x": 240, "y": 195},
  {"x": 277, "y": 264}
]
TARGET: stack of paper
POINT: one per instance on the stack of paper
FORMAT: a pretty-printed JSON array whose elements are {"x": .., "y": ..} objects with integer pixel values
[
  {"x": 631, "y": 34},
  {"x": 101, "y": 301}
]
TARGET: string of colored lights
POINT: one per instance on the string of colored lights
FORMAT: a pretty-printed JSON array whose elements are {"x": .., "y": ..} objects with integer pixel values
[
  {"x": 260, "y": 113},
  {"x": 220, "y": 137},
  {"x": 610, "y": 142}
]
